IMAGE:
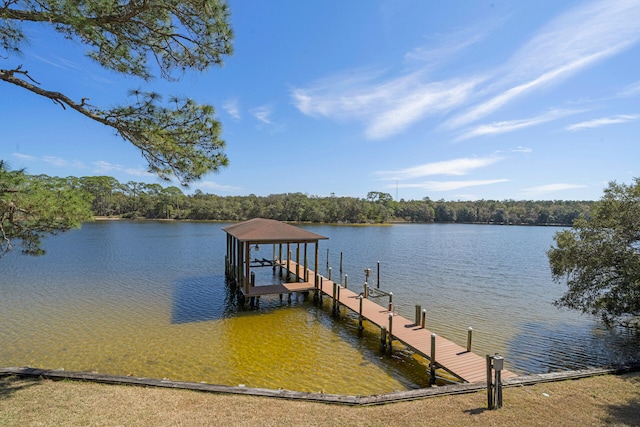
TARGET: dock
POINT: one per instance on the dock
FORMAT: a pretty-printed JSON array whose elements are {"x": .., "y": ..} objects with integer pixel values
[
  {"x": 244, "y": 240},
  {"x": 449, "y": 356}
]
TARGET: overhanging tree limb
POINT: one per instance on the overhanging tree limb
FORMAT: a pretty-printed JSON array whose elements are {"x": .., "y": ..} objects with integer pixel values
[{"x": 181, "y": 138}]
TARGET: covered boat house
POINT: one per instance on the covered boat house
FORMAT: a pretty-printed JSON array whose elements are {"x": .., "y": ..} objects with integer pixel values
[{"x": 244, "y": 239}]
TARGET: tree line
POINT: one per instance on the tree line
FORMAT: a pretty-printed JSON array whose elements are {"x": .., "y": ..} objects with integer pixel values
[{"x": 111, "y": 198}]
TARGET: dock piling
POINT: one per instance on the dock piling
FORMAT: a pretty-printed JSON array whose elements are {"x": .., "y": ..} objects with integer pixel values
[
  {"x": 360, "y": 327},
  {"x": 432, "y": 364},
  {"x": 469, "y": 335},
  {"x": 346, "y": 281},
  {"x": 390, "y": 335},
  {"x": 418, "y": 314},
  {"x": 424, "y": 318}
]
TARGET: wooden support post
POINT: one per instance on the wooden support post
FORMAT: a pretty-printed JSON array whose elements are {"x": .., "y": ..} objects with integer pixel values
[
  {"x": 289, "y": 298},
  {"x": 424, "y": 318},
  {"x": 432, "y": 365},
  {"x": 346, "y": 281},
  {"x": 390, "y": 334},
  {"x": 360, "y": 327},
  {"x": 366, "y": 290},
  {"x": 327, "y": 257},
  {"x": 288, "y": 262},
  {"x": 489, "y": 384},
  {"x": 469, "y": 335},
  {"x": 378, "y": 274},
  {"x": 329, "y": 273},
  {"x": 298, "y": 262},
  {"x": 383, "y": 339},
  {"x": 306, "y": 275},
  {"x": 335, "y": 300},
  {"x": 391, "y": 302},
  {"x": 253, "y": 279},
  {"x": 418, "y": 314},
  {"x": 340, "y": 263}
]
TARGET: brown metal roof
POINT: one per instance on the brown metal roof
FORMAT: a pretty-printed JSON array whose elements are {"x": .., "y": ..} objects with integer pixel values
[{"x": 270, "y": 231}]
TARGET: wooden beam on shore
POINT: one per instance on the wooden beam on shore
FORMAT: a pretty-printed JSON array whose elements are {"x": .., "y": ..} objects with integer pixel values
[{"x": 383, "y": 398}]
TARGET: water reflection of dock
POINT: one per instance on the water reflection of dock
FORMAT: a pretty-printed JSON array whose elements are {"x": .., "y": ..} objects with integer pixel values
[{"x": 298, "y": 277}]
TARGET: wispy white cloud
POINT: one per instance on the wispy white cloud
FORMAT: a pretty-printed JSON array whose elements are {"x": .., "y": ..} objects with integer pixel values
[
  {"x": 582, "y": 37},
  {"x": 449, "y": 185},
  {"x": 232, "y": 107},
  {"x": 214, "y": 186},
  {"x": 513, "y": 125},
  {"x": 25, "y": 157},
  {"x": 102, "y": 167},
  {"x": 63, "y": 163},
  {"x": 541, "y": 190},
  {"x": 458, "y": 167},
  {"x": 387, "y": 106},
  {"x": 263, "y": 113},
  {"x": 630, "y": 91},
  {"x": 52, "y": 160},
  {"x": 522, "y": 150},
  {"x": 604, "y": 121},
  {"x": 389, "y": 103},
  {"x": 443, "y": 47}
]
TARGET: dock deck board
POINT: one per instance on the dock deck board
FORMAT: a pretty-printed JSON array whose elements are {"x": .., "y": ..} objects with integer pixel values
[{"x": 449, "y": 356}]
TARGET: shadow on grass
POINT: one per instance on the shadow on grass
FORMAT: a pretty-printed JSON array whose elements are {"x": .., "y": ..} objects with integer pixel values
[
  {"x": 627, "y": 413},
  {"x": 10, "y": 385}
]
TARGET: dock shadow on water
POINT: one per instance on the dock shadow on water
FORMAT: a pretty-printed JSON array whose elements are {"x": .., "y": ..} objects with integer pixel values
[{"x": 201, "y": 299}]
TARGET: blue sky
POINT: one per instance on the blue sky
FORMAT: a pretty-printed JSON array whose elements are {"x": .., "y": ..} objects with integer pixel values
[{"x": 455, "y": 100}]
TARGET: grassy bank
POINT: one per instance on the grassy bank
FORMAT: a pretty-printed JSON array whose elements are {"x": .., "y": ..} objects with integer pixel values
[{"x": 602, "y": 400}]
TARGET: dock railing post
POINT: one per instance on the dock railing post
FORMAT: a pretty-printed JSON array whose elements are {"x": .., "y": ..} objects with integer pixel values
[
  {"x": 432, "y": 364},
  {"x": 469, "y": 336}
]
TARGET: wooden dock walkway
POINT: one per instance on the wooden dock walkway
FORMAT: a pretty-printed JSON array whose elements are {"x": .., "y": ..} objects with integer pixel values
[{"x": 454, "y": 359}]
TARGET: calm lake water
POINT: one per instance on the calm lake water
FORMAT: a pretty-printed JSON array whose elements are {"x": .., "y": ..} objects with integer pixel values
[{"x": 150, "y": 299}]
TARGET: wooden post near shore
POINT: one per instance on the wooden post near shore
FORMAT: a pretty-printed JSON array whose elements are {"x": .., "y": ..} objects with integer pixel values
[
  {"x": 390, "y": 335},
  {"x": 432, "y": 364},
  {"x": 360, "y": 327}
]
